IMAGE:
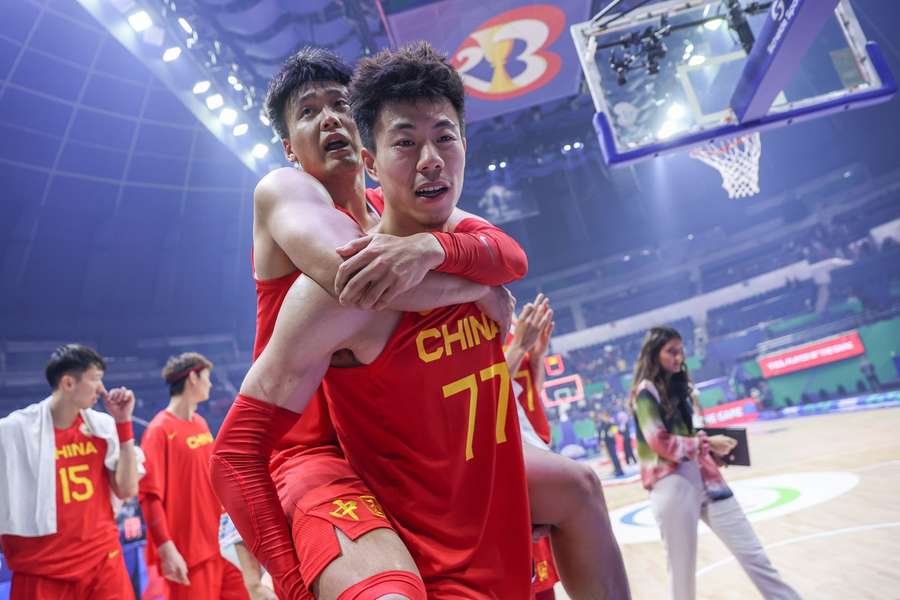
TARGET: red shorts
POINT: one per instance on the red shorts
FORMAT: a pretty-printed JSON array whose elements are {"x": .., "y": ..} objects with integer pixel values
[
  {"x": 320, "y": 492},
  {"x": 213, "y": 579},
  {"x": 545, "y": 575},
  {"x": 109, "y": 580}
]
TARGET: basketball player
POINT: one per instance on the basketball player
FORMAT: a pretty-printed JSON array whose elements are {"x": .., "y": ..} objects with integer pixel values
[
  {"x": 527, "y": 346},
  {"x": 64, "y": 544},
  {"x": 441, "y": 497},
  {"x": 294, "y": 228},
  {"x": 180, "y": 508},
  {"x": 473, "y": 245}
]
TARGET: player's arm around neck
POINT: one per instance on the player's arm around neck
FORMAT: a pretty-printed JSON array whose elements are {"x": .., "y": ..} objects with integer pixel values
[{"x": 295, "y": 211}]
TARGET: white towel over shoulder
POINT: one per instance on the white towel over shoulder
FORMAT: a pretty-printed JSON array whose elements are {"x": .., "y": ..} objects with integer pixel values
[{"x": 28, "y": 466}]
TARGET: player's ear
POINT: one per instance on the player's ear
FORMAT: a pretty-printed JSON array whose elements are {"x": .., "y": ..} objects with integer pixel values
[
  {"x": 288, "y": 151},
  {"x": 369, "y": 162}
]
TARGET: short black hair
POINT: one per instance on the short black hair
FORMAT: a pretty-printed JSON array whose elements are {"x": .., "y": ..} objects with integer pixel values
[
  {"x": 410, "y": 73},
  {"x": 309, "y": 65},
  {"x": 177, "y": 369},
  {"x": 71, "y": 359}
]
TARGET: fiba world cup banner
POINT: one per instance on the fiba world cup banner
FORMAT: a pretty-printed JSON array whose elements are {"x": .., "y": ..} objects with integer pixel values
[
  {"x": 511, "y": 54},
  {"x": 822, "y": 352}
]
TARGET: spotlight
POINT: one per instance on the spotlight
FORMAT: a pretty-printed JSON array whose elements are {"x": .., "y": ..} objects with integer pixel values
[
  {"x": 171, "y": 54},
  {"x": 140, "y": 21},
  {"x": 238, "y": 87},
  {"x": 215, "y": 101},
  {"x": 502, "y": 164},
  {"x": 492, "y": 167},
  {"x": 714, "y": 24},
  {"x": 697, "y": 60},
  {"x": 260, "y": 151},
  {"x": 240, "y": 130},
  {"x": 201, "y": 87},
  {"x": 567, "y": 148},
  {"x": 185, "y": 25},
  {"x": 228, "y": 116},
  {"x": 264, "y": 120},
  {"x": 676, "y": 111},
  {"x": 232, "y": 79},
  {"x": 578, "y": 145}
]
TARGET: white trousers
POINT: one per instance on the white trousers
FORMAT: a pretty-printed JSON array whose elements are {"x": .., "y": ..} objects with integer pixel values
[{"x": 678, "y": 502}]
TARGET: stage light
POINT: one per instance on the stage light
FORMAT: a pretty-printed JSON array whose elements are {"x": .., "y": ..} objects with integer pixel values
[
  {"x": 171, "y": 54},
  {"x": 714, "y": 25},
  {"x": 697, "y": 60},
  {"x": 676, "y": 111},
  {"x": 215, "y": 101},
  {"x": 201, "y": 87},
  {"x": 185, "y": 25},
  {"x": 228, "y": 116},
  {"x": 502, "y": 164},
  {"x": 240, "y": 129},
  {"x": 669, "y": 129},
  {"x": 264, "y": 120},
  {"x": 567, "y": 148},
  {"x": 492, "y": 167},
  {"x": 140, "y": 21},
  {"x": 578, "y": 145},
  {"x": 260, "y": 151}
]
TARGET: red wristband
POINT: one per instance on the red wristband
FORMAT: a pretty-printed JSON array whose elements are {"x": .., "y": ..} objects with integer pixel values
[{"x": 125, "y": 431}]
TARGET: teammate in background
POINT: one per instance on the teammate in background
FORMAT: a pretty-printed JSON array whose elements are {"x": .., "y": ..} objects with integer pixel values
[
  {"x": 679, "y": 467},
  {"x": 180, "y": 508},
  {"x": 457, "y": 499},
  {"x": 64, "y": 545},
  {"x": 525, "y": 351}
]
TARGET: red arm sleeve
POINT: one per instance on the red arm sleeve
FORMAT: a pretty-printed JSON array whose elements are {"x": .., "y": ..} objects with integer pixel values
[
  {"x": 239, "y": 471},
  {"x": 151, "y": 492},
  {"x": 481, "y": 252}
]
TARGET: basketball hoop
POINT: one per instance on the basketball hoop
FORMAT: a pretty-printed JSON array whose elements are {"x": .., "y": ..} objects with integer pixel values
[{"x": 737, "y": 160}]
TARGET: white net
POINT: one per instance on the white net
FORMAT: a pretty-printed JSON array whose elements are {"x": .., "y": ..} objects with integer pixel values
[{"x": 737, "y": 160}]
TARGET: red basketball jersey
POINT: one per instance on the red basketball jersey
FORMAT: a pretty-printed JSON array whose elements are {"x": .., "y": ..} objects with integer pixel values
[
  {"x": 314, "y": 429},
  {"x": 431, "y": 428},
  {"x": 86, "y": 532},
  {"x": 530, "y": 398},
  {"x": 178, "y": 454}
]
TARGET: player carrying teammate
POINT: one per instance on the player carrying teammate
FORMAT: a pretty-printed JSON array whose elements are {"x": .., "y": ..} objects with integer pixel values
[
  {"x": 59, "y": 461},
  {"x": 180, "y": 508},
  {"x": 446, "y": 525},
  {"x": 294, "y": 228}
]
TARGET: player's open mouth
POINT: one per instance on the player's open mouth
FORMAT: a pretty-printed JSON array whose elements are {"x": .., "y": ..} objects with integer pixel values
[
  {"x": 431, "y": 191},
  {"x": 336, "y": 145}
]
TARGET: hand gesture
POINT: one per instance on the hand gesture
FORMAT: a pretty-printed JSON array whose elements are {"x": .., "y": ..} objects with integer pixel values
[
  {"x": 533, "y": 320},
  {"x": 379, "y": 267},
  {"x": 119, "y": 403},
  {"x": 171, "y": 563},
  {"x": 543, "y": 342}
]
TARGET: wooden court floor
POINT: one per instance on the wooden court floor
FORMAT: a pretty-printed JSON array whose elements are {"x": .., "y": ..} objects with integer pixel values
[{"x": 847, "y": 547}]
